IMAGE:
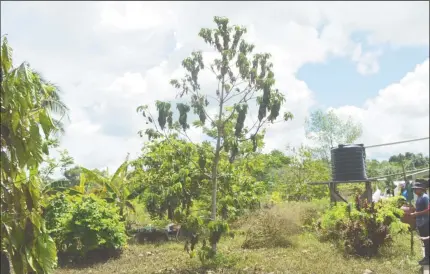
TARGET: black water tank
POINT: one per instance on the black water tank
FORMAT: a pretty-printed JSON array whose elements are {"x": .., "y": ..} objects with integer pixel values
[{"x": 348, "y": 163}]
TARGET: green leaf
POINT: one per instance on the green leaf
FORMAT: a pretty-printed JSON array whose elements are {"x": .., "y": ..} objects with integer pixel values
[
  {"x": 29, "y": 258},
  {"x": 18, "y": 262},
  {"x": 15, "y": 121},
  {"x": 46, "y": 123},
  {"x": 6, "y": 56},
  {"x": 46, "y": 253},
  {"x": 45, "y": 148}
]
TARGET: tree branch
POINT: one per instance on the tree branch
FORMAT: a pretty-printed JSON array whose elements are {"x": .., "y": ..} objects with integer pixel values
[{"x": 244, "y": 99}]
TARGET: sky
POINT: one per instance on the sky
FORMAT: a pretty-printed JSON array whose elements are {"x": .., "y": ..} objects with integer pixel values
[{"x": 368, "y": 60}]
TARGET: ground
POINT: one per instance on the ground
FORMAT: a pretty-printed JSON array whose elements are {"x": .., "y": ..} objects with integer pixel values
[{"x": 307, "y": 255}]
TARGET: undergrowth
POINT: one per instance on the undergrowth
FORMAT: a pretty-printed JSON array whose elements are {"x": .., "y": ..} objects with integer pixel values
[
  {"x": 275, "y": 227},
  {"x": 362, "y": 228}
]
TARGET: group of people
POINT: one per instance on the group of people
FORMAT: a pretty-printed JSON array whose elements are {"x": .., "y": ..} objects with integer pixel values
[{"x": 421, "y": 213}]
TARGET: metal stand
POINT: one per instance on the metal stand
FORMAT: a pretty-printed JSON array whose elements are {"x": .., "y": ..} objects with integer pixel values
[
  {"x": 368, "y": 192},
  {"x": 336, "y": 197}
]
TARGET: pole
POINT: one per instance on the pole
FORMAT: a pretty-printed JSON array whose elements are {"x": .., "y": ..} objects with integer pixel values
[{"x": 369, "y": 192}]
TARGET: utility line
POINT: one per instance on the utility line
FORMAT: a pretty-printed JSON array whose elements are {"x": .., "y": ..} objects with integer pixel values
[
  {"x": 409, "y": 172},
  {"x": 401, "y": 142}
]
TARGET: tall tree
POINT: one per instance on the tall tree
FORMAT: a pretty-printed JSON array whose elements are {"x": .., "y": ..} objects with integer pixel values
[
  {"x": 242, "y": 77},
  {"x": 328, "y": 131},
  {"x": 28, "y": 103}
]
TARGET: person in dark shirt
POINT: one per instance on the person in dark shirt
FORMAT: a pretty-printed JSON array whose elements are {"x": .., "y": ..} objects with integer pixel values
[{"x": 422, "y": 217}]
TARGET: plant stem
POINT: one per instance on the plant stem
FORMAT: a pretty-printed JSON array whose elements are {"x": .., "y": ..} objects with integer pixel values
[{"x": 216, "y": 159}]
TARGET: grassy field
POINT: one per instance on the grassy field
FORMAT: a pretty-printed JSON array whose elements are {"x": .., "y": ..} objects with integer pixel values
[
  {"x": 307, "y": 255},
  {"x": 304, "y": 253}
]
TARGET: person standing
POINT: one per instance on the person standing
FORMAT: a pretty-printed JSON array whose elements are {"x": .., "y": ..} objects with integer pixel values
[{"x": 422, "y": 218}]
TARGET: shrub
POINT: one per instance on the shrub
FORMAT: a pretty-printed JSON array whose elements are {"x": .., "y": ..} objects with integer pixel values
[
  {"x": 210, "y": 260},
  {"x": 310, "y": 212},
  {"x": 57, "y": 215},
  {"x": 274, "y": 227},
  {"x": 363, "y": 228},
  {"x": 84, "y": 226}
]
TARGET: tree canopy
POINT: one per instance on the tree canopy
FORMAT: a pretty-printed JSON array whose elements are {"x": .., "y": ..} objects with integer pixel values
[{"x": 327, "y": 130}]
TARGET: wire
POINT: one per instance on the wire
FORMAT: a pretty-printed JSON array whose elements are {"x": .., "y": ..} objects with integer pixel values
[
  {"x": 401, "y": 142},
  {"x": 409, "y": 172}
]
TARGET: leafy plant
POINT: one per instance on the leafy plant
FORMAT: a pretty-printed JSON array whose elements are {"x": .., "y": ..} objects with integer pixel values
[
  {"x": 293, "y": 180},
  {"x": 172, "y": 181},
  {"x": 211, "y": 260},
  {"x": 28, "y": 103},
  {"x": 364, "y": 228},
  {"x": 117, "y": 189},
  {"x": 84, "y": 224},
  {"x": 57, "y": 214}
]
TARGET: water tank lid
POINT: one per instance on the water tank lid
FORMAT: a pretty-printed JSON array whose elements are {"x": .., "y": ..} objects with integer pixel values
[{"x": 351, "y": 145}]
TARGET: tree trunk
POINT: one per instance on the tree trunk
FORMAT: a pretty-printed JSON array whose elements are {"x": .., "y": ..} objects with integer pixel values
[
  {"x": 170, "y": 213},
  {"x": 216, "y": 160},
  {"x": 5, "y": 265}
]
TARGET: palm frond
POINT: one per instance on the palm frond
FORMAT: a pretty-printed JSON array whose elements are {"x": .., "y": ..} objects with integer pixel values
[
  {"x": 93, "y": 176},
  {"x": 55, "y": 106},
  {"x": 122, "y": 170}
]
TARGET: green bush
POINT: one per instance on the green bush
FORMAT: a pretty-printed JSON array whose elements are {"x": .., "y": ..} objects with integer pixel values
[
  {"x": 57, "y": 215},
  {"x": 83, "y": 226},
  {"x": 362, "y": 228}
]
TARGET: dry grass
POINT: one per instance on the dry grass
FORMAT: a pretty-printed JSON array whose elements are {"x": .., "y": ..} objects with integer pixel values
[
  {"x": 277, "y": 226},
  {"x": 306, "y": 255}
]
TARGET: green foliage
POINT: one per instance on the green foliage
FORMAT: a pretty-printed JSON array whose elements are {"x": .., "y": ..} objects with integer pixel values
[
  {"x": 411, "y": 160},
  {"x": 216, "y": 230},
  {"x": 28, "y": 103},
  {"x": 207, "y": 256},
  {"x": 58, "y": 213},
  {"x": 172, "y": 178},
  {"x": 363, "y": 228},
  {"x": 176, "y": 184},
  {"x": 211, "y": 260},
  {"x": 117, "y": 189},
  {"x": 81, "y": 224},
  {"x": 292, "y": 180},
  {"x": 242, "y": 77},
  {"x": 51, "y": 164}
]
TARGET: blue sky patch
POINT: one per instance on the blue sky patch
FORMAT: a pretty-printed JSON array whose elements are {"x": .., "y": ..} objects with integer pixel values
[{"x": 337, "y": 82}]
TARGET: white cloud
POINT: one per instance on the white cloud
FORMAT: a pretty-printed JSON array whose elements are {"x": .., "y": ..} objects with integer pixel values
[
  {"x": 128, "y": 16},
  {"x": 399, "y": 112},
  {"x": 110, "y": 57}
]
